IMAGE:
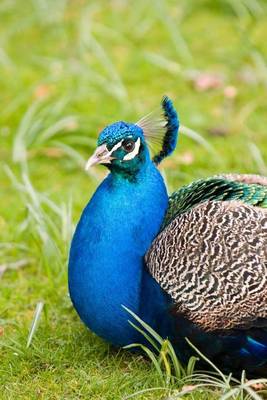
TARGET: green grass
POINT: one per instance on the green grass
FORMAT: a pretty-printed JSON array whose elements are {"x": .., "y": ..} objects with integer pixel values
[{"x": 67, "y": 68}]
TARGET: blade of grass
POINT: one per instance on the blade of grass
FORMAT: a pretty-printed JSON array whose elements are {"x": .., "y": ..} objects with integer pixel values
[
  {"x": 146, "y": 336},
  {"x": 154, "y": 334},
  {"x": 35, "y": 321},
  {"x": 151, "y": 356}
]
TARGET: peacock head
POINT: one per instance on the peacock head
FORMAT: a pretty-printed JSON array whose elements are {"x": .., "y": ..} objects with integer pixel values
[{"x": 124, "y": 147}]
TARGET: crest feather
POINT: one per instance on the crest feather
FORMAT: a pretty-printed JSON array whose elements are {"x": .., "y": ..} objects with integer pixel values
[{"x": 160, "y": 129}]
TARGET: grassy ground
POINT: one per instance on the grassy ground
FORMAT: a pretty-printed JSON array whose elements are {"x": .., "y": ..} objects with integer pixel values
[{"x": 67, "y": 68}]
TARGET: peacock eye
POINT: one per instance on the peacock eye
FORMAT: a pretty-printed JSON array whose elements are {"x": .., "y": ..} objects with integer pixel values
[{"x": 128, "y": 145}]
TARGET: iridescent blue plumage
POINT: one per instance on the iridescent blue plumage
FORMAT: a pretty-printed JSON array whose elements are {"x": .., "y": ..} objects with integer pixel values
[
  {"x": 112, "y": 134},
  {"x": 136, "y": 247},
  {"x": 106, "y": 257}
]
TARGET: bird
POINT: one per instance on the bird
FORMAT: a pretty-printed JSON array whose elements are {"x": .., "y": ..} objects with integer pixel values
[{"x": 192, "y": 265}]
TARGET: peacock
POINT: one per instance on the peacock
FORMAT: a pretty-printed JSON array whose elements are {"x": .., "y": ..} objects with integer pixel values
[{"x": 191, "y": 265}]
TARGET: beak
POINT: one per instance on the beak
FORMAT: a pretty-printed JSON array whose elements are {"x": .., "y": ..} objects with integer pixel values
[{"x": 100, "y": 156}]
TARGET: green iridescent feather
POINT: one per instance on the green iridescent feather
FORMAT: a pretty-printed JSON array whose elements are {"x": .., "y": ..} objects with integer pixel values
[{"x": 249, "y": 189}]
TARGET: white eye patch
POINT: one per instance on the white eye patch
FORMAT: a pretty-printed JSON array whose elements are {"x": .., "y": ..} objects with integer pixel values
[
  {"x": 133, "y": 153},
  {"x": 116, "y": 147}
]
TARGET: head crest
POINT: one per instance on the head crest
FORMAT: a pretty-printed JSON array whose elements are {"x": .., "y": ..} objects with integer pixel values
[{"x": 161, "y": 130}]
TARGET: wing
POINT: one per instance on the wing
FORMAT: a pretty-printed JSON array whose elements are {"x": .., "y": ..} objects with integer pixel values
[
  {"x": 249, "y": 189},
  {"x": 212, "y": 261}
]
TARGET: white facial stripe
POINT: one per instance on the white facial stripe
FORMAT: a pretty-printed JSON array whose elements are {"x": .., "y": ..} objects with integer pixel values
[
  {"x": 133, "y": 153},
  {"x": 114, "y": 148}
]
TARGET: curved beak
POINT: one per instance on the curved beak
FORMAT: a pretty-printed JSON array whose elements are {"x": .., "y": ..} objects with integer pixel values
[{"x": 100, "y": 156}]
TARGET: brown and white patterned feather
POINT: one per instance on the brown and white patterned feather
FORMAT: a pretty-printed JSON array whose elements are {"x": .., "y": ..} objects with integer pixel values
[{"x": 212, "y": 260}]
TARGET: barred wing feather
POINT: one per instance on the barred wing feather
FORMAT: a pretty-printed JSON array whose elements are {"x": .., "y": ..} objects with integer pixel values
[{"x": 211, "y": 258}]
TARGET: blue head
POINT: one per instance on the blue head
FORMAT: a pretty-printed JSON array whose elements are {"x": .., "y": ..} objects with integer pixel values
[{"x": 123, "y": 147}]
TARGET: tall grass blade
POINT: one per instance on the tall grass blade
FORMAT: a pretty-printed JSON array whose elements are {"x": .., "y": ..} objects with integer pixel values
[
  {"x": 151, "y": 356},
  {"x": 146, "y": 336},
  {"x": 153, "y": 333},
  {"x": 35, "y": 321},
  {"x": 258, "y": 158},
  {"x": 197, "y": 138},
  {"x": 224, "y": 378}
]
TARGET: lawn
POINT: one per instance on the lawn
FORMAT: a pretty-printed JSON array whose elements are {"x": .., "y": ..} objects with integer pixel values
[{"x": 68, "y": 68}]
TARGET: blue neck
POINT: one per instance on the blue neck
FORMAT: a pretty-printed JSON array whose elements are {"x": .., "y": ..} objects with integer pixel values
[{"x": 106, "y": 267}]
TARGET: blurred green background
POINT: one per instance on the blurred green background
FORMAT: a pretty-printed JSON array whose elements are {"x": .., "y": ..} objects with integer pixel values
[{"x": 68, "y": 68}]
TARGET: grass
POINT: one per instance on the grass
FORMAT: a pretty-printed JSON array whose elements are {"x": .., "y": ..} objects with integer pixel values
[
  {"x": 67, "y": 69},
  {"x": 179, "y": 380}
]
